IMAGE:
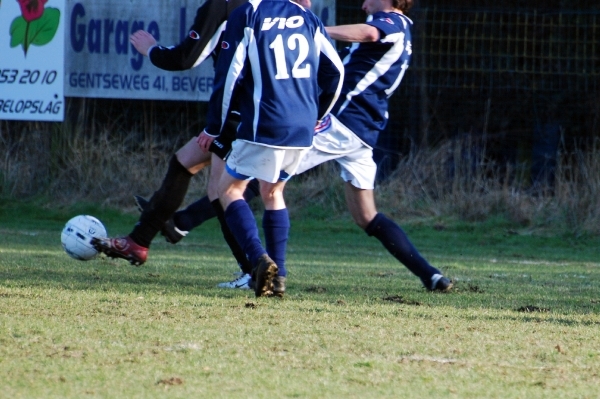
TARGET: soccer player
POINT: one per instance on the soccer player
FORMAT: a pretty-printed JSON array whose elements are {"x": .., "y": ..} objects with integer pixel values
[
  {"x": 201, "y": 43},
  {"x": 375, "y": 64},
  {"x": 278, "y": 62}
]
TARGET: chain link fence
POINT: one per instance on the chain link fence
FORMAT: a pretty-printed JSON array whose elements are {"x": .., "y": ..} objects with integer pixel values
[{"x": 520, "y": 82}]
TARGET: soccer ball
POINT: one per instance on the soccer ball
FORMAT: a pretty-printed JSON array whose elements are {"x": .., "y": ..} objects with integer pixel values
[{"x": 77, "y": 235}]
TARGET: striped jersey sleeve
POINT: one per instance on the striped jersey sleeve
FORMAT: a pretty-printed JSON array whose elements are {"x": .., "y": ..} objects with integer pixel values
[
  {"x": 278, "y": 63},
  {"x": 200, "y": 43},
  {"x": 373, "y": 72}
]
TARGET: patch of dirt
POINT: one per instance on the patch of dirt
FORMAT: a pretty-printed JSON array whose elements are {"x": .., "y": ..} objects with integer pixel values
[
  {"x": 382, "y": 274},
  {"x": 170, "y": 381},
  {"x": 400, "y": 299},
  {"x": 474, "y": 288}
]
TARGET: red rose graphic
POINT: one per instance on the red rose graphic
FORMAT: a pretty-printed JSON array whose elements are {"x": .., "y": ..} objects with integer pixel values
[
  {"x": 36, "y": 25},
  {"x": 32, "y": 9}
]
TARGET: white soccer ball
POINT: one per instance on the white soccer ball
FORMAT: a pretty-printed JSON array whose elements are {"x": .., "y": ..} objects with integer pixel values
[{"x": 77, "y": 235}]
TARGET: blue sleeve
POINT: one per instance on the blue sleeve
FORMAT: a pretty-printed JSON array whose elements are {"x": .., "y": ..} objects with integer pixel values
[
  {"x": 385, "y": 24},
  {"x": 228, "y": 70}
]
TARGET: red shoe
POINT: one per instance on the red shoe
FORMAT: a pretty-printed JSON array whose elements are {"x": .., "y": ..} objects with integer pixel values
[{"x": 122, "y": 247}]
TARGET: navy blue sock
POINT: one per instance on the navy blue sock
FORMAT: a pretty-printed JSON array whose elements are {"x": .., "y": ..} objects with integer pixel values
[
  {"x": 242, "y": 224},
  {"x": 236, "y": 249},
  {"x": 194, "y": 215},
  {"x": 202, "y": 210},
  {"x": 395, "y": 240},
  {"x": 276, "y": 225}
]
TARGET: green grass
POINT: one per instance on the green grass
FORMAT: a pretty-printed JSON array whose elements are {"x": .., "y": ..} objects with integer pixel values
[{"x": 522, "y": 322}]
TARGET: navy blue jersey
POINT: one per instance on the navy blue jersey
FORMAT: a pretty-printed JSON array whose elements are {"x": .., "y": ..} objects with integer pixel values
[
  {"x": 373, "y": 71},
  {"x": 277, "y": 61}
]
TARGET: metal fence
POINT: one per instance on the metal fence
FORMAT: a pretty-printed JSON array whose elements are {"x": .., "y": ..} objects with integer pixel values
[
  {"x": 514, "y": 78},
  {"x": 510, "y": 50}
]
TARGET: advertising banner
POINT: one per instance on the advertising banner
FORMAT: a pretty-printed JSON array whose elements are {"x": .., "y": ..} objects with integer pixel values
[
  {"x": 32, "y": 60},
  {"x": 100, "y": 61},
  {"x": 80, "y": 48}
]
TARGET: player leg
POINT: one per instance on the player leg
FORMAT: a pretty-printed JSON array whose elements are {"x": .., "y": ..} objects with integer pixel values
[
  {"x": 358, "y": 171},
  {"x": 248, "y": 158},
  {"x": 221, "y": 148},
  {"x": 337, "y": 142},
  {"x": 176, "y": 227},
  {"x": 217, "y": 169},
  {"x": 276, "y": 228},
  {"x": 361, "y": 204},
  {"x": 134, "y": 247},
  {"x": 240, "y": 219}
]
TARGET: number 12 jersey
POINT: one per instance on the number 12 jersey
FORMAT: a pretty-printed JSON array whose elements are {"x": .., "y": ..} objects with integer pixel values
[{"x": 279, "y": 65}]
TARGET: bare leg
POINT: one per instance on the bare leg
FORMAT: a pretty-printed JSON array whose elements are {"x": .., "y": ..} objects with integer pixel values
[
  {"x": 361, "y": 204},
  {"x": 216, "y": 171},
  {"x": 272, "y": 195},
  {"x": 191, "y": 157}
]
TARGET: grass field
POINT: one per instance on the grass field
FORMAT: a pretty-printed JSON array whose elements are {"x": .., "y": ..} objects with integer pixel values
[{"x": 522, "y": 322}]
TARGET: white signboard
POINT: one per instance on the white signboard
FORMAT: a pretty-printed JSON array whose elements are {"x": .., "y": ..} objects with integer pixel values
[
  {"x": 100, "y": 61},
  {"x": 32, "y": 60}
]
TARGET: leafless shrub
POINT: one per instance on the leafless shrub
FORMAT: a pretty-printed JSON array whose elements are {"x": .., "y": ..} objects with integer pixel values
[
  {"x": 74, "y": 165},
  {"x": 454, "y": 180}
]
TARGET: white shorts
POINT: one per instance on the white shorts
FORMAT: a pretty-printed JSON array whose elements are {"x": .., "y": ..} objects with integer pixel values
[
  {"x": 248, "y": 160},
  {"x": 338, "y": 143}
]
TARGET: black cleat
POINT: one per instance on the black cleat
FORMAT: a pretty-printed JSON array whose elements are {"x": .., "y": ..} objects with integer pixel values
[
  {"x": 263, "y": 275},
  {"x": 440, "y": 283},
  {"x": 278, "y": 286},
  {"x": 171, "y": 233}
]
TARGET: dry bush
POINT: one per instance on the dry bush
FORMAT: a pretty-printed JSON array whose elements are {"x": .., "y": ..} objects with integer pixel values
[
  {"x": 69, "y": 166},
  {"x": 577, "y": 190},
  {"x": 22, "y": 167},
  {"x": 452, "y": 181},
  {"x": 320, "y": 189},
  {"x": 110, "y": 169}
]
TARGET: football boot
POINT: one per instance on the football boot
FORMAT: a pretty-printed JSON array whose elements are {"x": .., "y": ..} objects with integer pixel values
[
  {"x": 242, "y": 282},
  {"x": 440, "y": 283},
  {"x": 279, "y": 286},
  {"x": 122, "y": 247},
  {"x": 263, "y": 275}
]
